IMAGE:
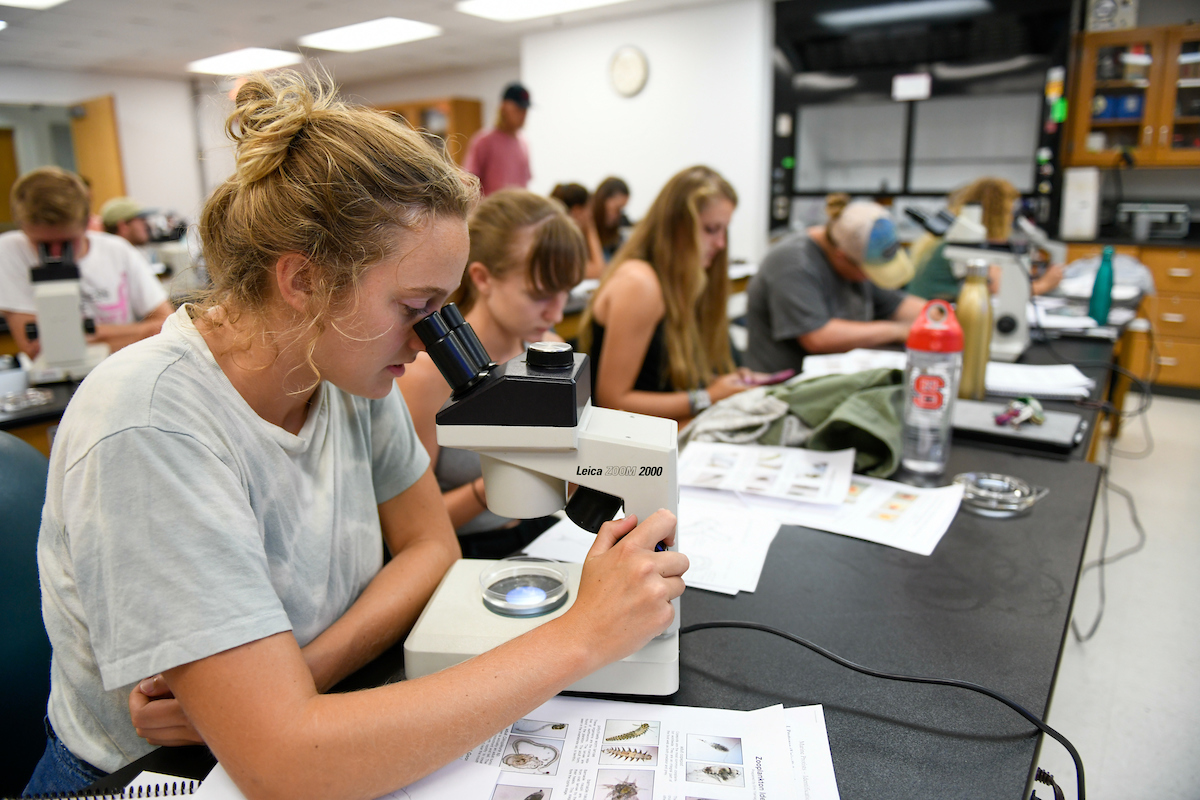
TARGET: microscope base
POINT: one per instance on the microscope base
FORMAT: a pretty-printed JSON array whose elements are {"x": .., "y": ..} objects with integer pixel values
[
  {"x": 456, "y": 625},
  {"x": 1007, "y": 351},
  {"x": 39, "y": 371}
]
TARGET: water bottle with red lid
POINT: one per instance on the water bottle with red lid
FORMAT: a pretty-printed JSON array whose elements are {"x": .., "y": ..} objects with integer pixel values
[{"x": 935, "y": 345}]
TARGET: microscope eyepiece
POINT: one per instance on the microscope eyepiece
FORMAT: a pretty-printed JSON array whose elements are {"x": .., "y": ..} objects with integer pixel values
[
  {"x": 454, "y": 356},
  {"x": 455, "y": 322}
]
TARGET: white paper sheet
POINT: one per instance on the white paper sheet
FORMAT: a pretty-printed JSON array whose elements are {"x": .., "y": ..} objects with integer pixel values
[
  {"x": 574, "y": 748},
  {"x": 791, "y": 473},
  {"x": 725, "y": 544},
  {"x": 856, "y": 360},
  {"x": 459, "y": 779},
  {"x": 812, "y": 761},
  {"x": 885, "y": 512}
]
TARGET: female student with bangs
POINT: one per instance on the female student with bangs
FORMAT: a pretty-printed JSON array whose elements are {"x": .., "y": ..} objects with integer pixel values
[
  {"x": 656, "y": 327},
  {"x": 210, "y": 545},
  {"x": 526, "y": 254}
]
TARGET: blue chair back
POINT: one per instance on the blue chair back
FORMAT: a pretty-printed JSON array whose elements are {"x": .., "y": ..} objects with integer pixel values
[{"x": 25, "y": 663}]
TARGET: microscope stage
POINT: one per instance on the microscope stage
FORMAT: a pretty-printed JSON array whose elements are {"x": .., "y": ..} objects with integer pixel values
[{"x": 456, "y": 625}]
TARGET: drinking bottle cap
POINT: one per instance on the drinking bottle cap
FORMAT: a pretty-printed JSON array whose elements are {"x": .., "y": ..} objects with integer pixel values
[{"x": 936, "y": 329}]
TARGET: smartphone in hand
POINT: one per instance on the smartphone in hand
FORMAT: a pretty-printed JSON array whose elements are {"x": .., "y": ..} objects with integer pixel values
[{"x": 773, "y": 378}]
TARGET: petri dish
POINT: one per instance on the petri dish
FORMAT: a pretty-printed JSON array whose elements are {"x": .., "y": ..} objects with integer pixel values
[
  {"x": 990, "y": 494},
  {"x": 523, "y": 586}
]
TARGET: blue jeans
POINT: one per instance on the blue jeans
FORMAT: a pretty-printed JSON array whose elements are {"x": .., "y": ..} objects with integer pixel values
[{"x": 59, "y": 770}]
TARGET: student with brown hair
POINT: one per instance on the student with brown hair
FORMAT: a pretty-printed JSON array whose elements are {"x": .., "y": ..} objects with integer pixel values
[
  {"x": 526, "y": 254},
  {"x": 578, "y": 202},
  {"x": 210, "y": 546},
  {"x": 996, "y": 199},
  {"x": 608, "y": 212},
  {"x": 830, "y": 288},
  {"x": 120, "y": 292},
  {"x": 656, "y": 327}
]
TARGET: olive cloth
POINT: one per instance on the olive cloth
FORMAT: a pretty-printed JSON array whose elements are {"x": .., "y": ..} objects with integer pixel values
[{"x": 863, "y": 410}]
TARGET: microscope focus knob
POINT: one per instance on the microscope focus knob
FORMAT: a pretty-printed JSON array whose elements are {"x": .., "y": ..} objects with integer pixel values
[
  {"x": 31, "y": 331},
  {"x": 89, "y": 326},
  {"x": 1006, "y": 324},
  {"x": 550, "y": 355}
]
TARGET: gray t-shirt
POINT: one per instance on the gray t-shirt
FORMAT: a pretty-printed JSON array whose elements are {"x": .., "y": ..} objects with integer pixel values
[
  {"x": 179, "y": 524},
  {"x": 797, "y": 291}
]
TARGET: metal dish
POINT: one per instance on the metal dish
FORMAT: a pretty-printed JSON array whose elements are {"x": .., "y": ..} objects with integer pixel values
[{"x": 990, "y": 494}]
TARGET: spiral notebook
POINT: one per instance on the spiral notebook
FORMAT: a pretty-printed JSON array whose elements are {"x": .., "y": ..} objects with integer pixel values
[{"x": 147, "y": 784}]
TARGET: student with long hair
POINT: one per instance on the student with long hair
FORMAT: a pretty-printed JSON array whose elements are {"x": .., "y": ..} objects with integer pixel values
[
  {"x": 210, "y": 550},
  {"x": 656, "y": 327},
  {"x": 997, "y": 199},
  {"x": 608, "y": 214},
  {"x": 526, "y": 254}
]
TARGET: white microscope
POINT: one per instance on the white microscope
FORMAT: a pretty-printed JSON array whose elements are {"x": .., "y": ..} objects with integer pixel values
[
  {"x": 966, "y": 240},
  {"x": 60, "y": 329},
  {"x": 533, "y": 424}
]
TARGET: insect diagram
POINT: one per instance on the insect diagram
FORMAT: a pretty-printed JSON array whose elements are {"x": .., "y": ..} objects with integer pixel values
[
  {"x": 631, "y": 731},
  {"x": 725, "y": 749},
  {"x": 647, "y": 755},
  {"x": 714, "y": 773},
  {"x": 614, "y": 784},
  {"x": 531, "y": 756},
  {"x": 504, "y": 792},
  {"x": 554, "y": 730}
]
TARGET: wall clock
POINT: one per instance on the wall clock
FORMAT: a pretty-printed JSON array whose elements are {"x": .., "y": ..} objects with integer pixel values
[{"x": 628, "y": 70}]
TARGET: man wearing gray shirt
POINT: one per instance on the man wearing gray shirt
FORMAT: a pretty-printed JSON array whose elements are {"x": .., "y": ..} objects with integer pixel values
[{"x": 830, "y": 289}]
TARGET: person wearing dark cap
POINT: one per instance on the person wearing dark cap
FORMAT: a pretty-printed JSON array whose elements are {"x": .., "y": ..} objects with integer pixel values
[
  {"x": 125, "y": 217},
  {"x": 830, "y": 289},
  {"x": 500, "y": 157}
]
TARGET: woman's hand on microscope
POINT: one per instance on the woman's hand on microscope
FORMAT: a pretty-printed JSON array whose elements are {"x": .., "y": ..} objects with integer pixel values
[{"x": 626, "y": 587}]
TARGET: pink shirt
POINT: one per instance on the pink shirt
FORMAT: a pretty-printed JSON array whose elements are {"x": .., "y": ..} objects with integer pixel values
[{"x": 499, "y": 159}]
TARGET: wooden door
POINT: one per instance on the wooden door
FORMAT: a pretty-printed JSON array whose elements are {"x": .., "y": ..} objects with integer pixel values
[
  {"x": 97, "y": 148},
  {"x": 1177, "y": 137},
  {"x": 8, "y": 173}
]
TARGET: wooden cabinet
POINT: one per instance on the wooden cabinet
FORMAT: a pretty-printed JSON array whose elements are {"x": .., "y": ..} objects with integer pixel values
[
  {"x": 451, "y": 119},
  {"x": 1136, "y": 91},
  {"x": 1173, "y": 311}
]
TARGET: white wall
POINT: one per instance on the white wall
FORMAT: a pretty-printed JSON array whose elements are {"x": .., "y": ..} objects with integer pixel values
[
  {"x": 707, "y": 101},
  {"x": 155, "y": 126}
]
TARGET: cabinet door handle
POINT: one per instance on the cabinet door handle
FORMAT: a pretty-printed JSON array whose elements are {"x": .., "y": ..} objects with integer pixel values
[
  {"x": 1179, "y": 272},
  {"x": 1162, "y": 135},
  {"x": 1173, "y": 318},
  {"x": 1168, "y": 362},
  {"x": 1149, "y": 135}
]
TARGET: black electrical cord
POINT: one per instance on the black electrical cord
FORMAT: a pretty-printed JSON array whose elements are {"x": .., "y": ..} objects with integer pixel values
[
  {"x": 1104, "y": 560},
  {"x": 974, "y": 687}
]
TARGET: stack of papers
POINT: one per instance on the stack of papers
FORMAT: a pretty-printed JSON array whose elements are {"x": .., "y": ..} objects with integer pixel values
[
  {"x": 1053, "y": 381},
  {"x": 573, "y": 747}
]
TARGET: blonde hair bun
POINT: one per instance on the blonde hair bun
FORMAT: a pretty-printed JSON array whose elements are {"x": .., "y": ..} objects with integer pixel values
[{"x": 271, "y": 111}]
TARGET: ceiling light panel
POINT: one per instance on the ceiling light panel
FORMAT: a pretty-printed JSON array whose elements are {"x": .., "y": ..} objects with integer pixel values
[
  {"x": 37, "y": 5},
  {"x": 383, "y": 32},
  {"x": 246, "y": 60},
  {"x": 517, "y": 10},
  {"x": 890, "y": 13}
]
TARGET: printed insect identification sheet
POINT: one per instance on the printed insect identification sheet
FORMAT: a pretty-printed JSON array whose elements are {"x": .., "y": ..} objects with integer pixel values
[
  {"x": 895, "y": 514},
  {"x": 580, "y": 749},
  {"x": 789, "y": 473}
]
